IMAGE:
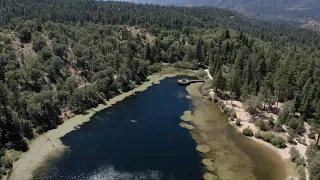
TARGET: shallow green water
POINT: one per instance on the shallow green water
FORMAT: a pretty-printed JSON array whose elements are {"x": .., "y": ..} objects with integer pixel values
[
  {"x": 140, "y": 138},
  {"x": 266, "y": 164}
]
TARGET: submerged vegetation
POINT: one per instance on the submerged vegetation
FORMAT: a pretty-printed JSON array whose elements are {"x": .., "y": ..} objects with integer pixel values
[{"x": 63, "y": 57}]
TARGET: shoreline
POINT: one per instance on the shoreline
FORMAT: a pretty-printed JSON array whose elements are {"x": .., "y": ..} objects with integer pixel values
[
  {"x": 284, "y": 153},
  {"x": 245, "y": 122},
  {"x": 49, "y": 145},
  {"x": 222, "y": 159}
]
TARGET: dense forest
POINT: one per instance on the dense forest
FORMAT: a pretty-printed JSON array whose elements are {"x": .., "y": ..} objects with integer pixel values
[
  {"x": 59, "y": 57},
  {"x": 177, "y": 18}
]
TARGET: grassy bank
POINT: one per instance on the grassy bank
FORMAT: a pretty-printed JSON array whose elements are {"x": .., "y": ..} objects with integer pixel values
[
  {"x": 222, "y": 158},
  {"x": 49, "y": 145}
]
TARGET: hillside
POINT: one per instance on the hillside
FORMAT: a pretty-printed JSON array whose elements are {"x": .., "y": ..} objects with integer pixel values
[
  {"x": 59, "y": 58},
  {"x": 147, "y": 16},
  {"x": 311, "y": 24},
  {"x": 43, "y": 64},
  {"x": 284, "y": 10},
  {"x": 294, "y": 10}
]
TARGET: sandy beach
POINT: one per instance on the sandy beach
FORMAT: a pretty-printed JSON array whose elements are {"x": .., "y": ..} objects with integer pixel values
[
  {"x": 221, "y": 157},
  {"x": 283, "y": 153},
  {"x": 49, "y": 145},
  {"x": 246, "y": 118}
]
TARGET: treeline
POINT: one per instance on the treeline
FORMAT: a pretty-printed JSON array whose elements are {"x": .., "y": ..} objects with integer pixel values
[
  {"x": 147, "y": 16},
  {"x": 261, "y": 73},
  {"x": 77, "y": 67},
  {"x": 59, "y": 57},
  {"x": 62, "y": 69}
]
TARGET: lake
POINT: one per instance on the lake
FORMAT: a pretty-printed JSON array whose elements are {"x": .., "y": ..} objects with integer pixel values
[{"x": 140, "y": 138}]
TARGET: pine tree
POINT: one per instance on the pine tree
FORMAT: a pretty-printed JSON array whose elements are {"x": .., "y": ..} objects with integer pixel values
[
  {"x": 234, "y": 81},
  {"x": 219, "y": 81},
  {"x": 307, "y": 108},
  {"x": 226, "y": 34},
  {"x": 199, "y": 50},
  {"x": 148, "y": 53}
]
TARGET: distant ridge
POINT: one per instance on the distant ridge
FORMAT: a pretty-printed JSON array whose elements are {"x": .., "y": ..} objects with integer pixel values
[{"x": 297, "y": 10}]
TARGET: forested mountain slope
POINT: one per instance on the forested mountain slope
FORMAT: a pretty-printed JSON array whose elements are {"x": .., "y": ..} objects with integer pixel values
[
  {"x": 118, "y": 13},
  {"x": 59, "y": 57},
  {"x": 267, "y": 9},
  {"x": 49, "y": 69},
  {"x": 289, "y": 10}
]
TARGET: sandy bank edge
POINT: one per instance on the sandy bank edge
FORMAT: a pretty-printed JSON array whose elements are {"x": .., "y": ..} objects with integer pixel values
[
  {"x": 245, "y": 117},
  {"x": 49, "y": 143}
]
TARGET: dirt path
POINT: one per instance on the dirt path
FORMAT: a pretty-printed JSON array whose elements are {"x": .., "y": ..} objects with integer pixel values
[{"x": 209, "y": 75}]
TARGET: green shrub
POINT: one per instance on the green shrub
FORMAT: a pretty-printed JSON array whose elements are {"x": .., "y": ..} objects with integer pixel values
[
  {"x": 233, "y": 113},
  {"x": 291, "y": 137},
  {"x": 25, "y": 35},
  {"x": 6, "y": 162},
  {"x": 277, "y": 126},
  {"x": 252, "y": 104},
  {"x": 154, "y": 68},
  {"x": 202, "y": 74},
  {"x": 238, "y": 122},
  {"x": 3, "y": 171},
  {"x": 247, "y": 132},
  {"x": 278, "y": 141},
  {"x": 22, "y": 145},
  {"x": 38, "y": 43},
  {"x": 313, "y": 166},
  {"x": 185, "y": 65},
  {"x": 258, "y": 135},
  {"x": 297, "y": 125},
  {"x": 5, "y": 39},
  {"x": 60, "y": 50},
  {"x": 302, "y": 173},
  {"x": 231, "y": 119},
  {"x": 262, "y": 125},
  {"x": 294, "y": 154},
  {"x": 271, "y": 122},
  {"x": 226, "y": 110},
  {"x": 27, "y": 130},
  {"x": 222, "y": 105},
  {"x": 312, "y": 135},
  {"x": 312, "y": 151},
  {"x": 300, "y": 161},
  {"x": 46, "y": 53},
  {"x": 267, "y": 136}
]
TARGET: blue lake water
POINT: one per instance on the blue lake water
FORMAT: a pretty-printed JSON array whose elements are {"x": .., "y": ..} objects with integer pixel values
[{"x": 138, "y": 138}]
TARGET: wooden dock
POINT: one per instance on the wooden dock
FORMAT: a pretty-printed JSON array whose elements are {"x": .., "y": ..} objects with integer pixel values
[{"x": 188, "y": 81}]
